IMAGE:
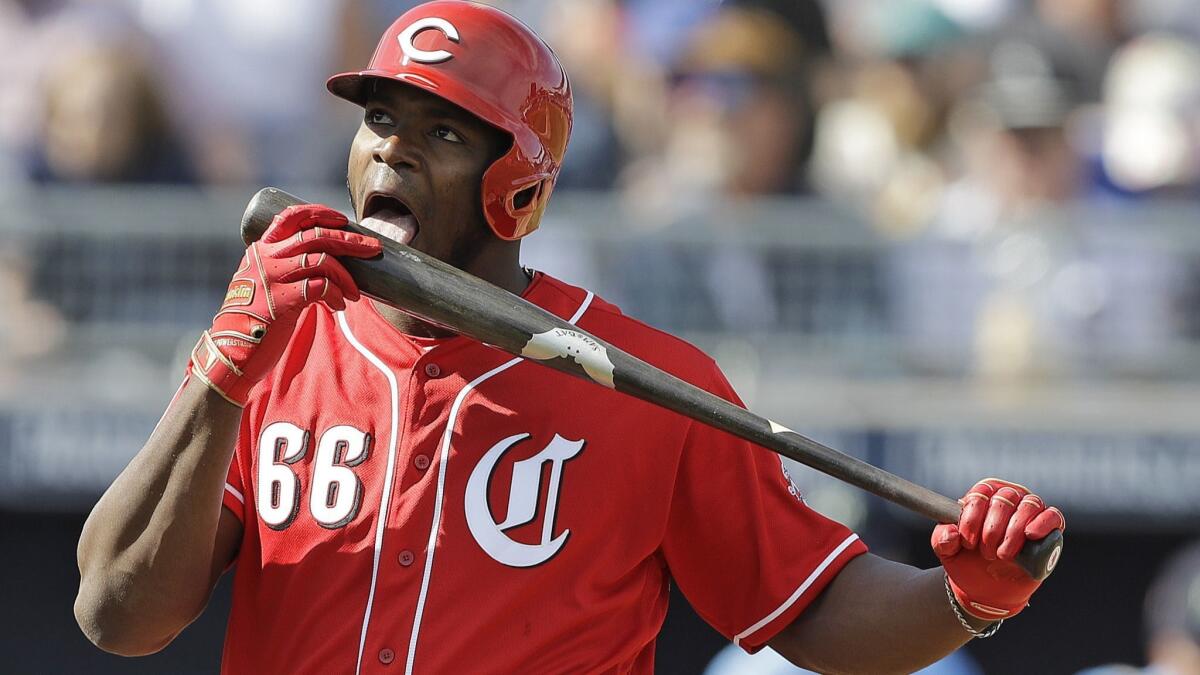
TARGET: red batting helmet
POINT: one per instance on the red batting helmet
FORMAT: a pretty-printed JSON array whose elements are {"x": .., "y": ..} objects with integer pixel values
[{"x": 492, "y": 65}]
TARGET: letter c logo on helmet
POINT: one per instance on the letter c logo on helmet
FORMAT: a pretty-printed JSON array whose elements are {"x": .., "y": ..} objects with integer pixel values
[{"x": 411, "y": 53}]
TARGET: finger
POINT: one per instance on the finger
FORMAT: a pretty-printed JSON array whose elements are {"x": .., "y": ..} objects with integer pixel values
[
  {"x": 975, "y": 507},
  {"x": 301, "y": 217},
  {"x": 1046, "y": 522},
  {"x": 1000, "y": 510},
  {"x": 313, "y": 282},
  {"x": 324, "y": 266},
  {"x": 1014, "y": 536},
  {"x": 946, "y": 540},
  {"x": 333, "y": 242},
  {"x": 997, "y": 483},
  {"x": 328, "y": 293}
]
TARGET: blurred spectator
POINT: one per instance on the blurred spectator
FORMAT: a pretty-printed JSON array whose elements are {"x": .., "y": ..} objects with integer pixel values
[
  {"x": 1013, "y": 134},
  {"x": 881, "y": 122},
  {"x": 660, "y": 29},
  {"x": 1173, "y": 615},
  {"x": 104, "y": 120},
  {"x": 247, "y": 81},
  {"x": 37, "y": 36},
  {"x": 1005, "y": 283},
  {"x": 1101, "y": 21},
  {"x": 869, "y": 29},
  {"x": 739, "y": 108},
  {"x": 805, "y": 17},
  {"x": 1172, "y": 621},
  {"x": 1079, "y": 35},
  {"x": 603, "y": 71},
  {"x": 28, "y": 327},
  {"x": 22, "y": 29},
  {"x": 1151, "y": 117},
  {"x": 737, "y": 125}
]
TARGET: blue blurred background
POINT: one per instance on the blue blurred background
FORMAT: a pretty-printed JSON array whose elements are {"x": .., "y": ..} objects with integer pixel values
[{"x": 957, "y": 238}]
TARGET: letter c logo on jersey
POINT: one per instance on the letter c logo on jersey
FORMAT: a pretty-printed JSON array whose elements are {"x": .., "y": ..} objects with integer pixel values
[
  {"x": 522, "y": 502},
  {"x": 412, "y": 53}
]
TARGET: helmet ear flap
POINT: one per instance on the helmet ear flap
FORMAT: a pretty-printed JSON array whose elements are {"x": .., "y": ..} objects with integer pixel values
[{"x": 525, "y": 205}]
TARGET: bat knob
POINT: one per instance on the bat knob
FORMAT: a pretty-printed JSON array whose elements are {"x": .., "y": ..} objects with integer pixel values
[
  {"x": 1039, "y": 558},
  {"x": 262, "y": 209}
]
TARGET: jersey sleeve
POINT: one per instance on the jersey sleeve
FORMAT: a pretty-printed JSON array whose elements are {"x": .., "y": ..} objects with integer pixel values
[{"x": 742, "y": 545}]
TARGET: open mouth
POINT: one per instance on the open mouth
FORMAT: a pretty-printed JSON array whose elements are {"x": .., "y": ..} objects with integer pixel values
[{"x": 389, "y": 217}]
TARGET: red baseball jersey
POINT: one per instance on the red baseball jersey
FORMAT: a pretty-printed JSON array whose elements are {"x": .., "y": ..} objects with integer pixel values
[{"x": 441, "y": 506}]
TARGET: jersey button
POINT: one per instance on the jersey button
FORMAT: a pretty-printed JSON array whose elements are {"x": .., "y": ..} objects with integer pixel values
[
  {"x": 433, "y": 370},
  {"x": 406, "y": 557},
  {"x": 421, "y": 462},
  {"x": 386, "y": 656}
]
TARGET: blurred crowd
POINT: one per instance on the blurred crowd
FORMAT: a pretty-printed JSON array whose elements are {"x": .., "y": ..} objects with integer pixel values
[
  {"x": 1003, "y": 159},
  {"x": 963, "y": 131},
  {"x": 914, "y": 107}
]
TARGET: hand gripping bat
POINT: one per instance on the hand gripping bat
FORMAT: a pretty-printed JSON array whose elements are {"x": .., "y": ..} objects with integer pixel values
[{"x": 446, "y": 296}]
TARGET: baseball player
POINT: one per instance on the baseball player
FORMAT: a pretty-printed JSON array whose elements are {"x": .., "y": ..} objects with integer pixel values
[{"x": 399, "y": 499}]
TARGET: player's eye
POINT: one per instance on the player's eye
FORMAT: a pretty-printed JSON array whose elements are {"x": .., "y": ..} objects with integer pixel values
[
  {"x": 447, "y": 134},
  {"x": 378, "y": 117}
]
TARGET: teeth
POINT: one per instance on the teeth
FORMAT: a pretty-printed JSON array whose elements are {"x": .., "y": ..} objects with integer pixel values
[{"x": 393, "y": 224}]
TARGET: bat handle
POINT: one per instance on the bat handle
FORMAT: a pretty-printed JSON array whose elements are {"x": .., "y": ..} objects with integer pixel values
[
  {"x": 1039, "y": 558},
  {"x": 262, "y": 209}
]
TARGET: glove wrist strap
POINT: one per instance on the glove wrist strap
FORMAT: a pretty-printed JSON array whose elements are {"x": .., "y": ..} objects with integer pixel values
[
  {"x": 215, "y": 369},
  {"x": 959, "y": 612}
]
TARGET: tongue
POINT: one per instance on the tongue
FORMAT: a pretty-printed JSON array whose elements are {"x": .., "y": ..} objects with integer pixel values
[{"x": 393, "y": 224}]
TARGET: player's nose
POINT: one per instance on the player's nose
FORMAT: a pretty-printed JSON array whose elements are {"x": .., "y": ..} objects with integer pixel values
[{"x": 395, "y": 152}]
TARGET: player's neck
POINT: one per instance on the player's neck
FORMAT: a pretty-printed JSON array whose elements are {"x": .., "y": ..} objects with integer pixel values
[
  {"x": 408, "y": 325},
  {"x": 511, "y": 277}
]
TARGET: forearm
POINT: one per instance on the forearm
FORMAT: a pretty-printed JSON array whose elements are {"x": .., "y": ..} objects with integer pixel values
[
  {"x": 147, "y": 549},
  {"x": 877, "y": 616}
]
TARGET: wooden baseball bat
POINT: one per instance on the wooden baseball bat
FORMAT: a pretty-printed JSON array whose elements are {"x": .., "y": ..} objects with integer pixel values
[{"x": 444, "y": 295}]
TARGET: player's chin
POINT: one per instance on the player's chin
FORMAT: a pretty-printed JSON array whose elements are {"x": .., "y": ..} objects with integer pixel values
[
  {"x": 445, "y": 251},
  {"x": 427, "y": 245},
  {"x": 457, "y": 246}
]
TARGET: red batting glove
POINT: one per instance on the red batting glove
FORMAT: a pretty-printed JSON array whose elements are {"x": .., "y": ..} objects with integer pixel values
[
  {"x": 288, "y": 269},
  {"x": 978, "y": 553}
]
